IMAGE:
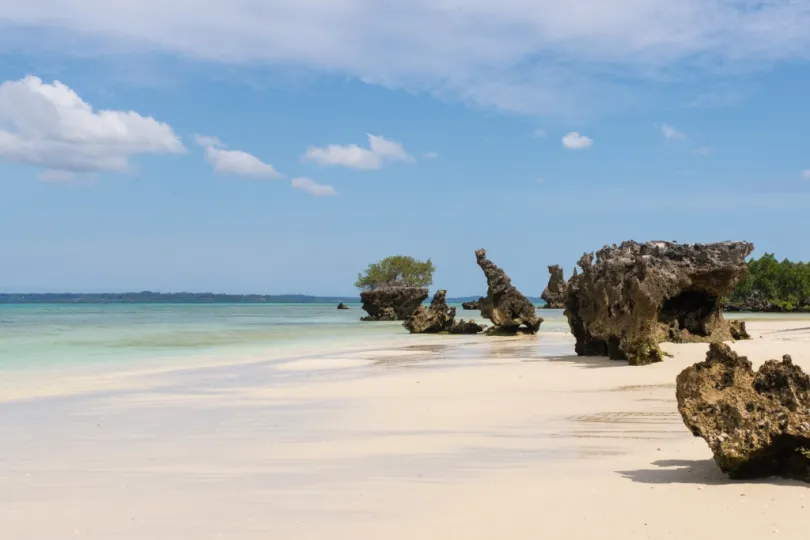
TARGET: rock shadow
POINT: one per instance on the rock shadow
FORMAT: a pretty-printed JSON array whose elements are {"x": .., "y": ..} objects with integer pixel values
[{"x": 700, "y": 472}]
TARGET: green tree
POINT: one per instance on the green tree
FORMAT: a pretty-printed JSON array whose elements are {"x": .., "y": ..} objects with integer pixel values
[
  {"x": 784, "y": 285},
  {"x": 396, "y": 271}
]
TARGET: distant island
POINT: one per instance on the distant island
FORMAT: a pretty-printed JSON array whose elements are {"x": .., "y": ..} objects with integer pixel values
[{"x": 148, "y": 297}]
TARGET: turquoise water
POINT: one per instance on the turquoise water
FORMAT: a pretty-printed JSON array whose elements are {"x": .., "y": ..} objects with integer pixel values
[
  {"x": 43, "y": 335},
  {"x": 36, "y": 336}
]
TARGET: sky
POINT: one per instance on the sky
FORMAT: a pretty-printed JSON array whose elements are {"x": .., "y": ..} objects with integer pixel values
[{"x": 251, "y": 146}]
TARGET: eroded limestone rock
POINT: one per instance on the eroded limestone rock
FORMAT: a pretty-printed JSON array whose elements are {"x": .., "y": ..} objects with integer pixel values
[
  {"x": 439, "y": 318},
  {"x": 555, "y": 291},
  {"x": 471, "y": 306},
  {"x": 392, "y": 303},
  {"x": 757, "y": 424},
  {"x": 636, "y": 296},
  {"x": 504, "y": 305}
]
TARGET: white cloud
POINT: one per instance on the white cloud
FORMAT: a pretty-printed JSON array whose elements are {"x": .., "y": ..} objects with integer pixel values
[
  {"x": 670, "y": 132},
  {"x": 532, "y": 56},
  {"x": 235, "y": 161},
  {"x": 57, "y": 177},
  {"x": 806, "y": 174},
  {"x": 431, "y": 155},
  {"x": 575, "y": 141},
  {"x": 540, "y": 180},
  {"x": 703, "y": 151},
  {"x": 204, "y": 140},
  {"x": 379, "y": 152},
  {"x": 49, "y": 125},
  {"x": 539, "y": 133},
  {"x": 312, "y": 187}
]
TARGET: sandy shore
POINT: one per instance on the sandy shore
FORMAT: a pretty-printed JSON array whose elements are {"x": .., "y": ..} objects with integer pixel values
[{"x": 430, "y": 438}]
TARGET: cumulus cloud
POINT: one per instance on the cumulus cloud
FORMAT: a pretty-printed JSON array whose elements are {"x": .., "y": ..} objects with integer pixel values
[
  {"x": 431, "y": 155},
  {"x": 533, "y": 56},
  {"x": 234, "y": 161},
  {"x": 380, "y": 151},
  {"x": 312, "y": 187},
  {"x": 539, "y": 133},
  {"x": 670, "y": 132},
  {"x": 575, "y": 141},
  {"x": 703, "y": 151},
  {"x": 49, "y": 125},
  {"x": 806, "y": 174}
]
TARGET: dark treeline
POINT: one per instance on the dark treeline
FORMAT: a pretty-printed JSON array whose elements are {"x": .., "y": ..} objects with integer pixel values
[{"x": 771, "y": 285}]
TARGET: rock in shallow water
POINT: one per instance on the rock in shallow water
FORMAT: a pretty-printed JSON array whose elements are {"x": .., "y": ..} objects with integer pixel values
[
  {"x": 757, "y": 424},
  {"x": 638, "y": 295},
  {"x": 504, "y": 305},
  {"x": 555, "y": 291},
  {"x": 392, "y": 303},
  {"x": 471, "y": 306},
  {"x": 439, "y": 318}
]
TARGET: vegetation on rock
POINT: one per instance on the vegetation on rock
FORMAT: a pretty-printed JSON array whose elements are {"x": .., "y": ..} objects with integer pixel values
[
  {"x": 771, "y": 285},
  {"x": 396, "y": 271}
]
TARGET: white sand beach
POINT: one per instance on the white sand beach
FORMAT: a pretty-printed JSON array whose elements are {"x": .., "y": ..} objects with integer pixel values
[{"x": 430, "y": 438}]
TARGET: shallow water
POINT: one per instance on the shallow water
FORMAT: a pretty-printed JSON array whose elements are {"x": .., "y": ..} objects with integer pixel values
[{"x": 58, "y": 335}]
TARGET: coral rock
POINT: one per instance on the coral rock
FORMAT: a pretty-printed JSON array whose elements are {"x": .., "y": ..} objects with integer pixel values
[
  {"x": 471, "y": 306},
  {"x": 392, "y": 303},
  {"x": 439, "y": 318},
  {"x": 757, "y": 424},
  {"x": 342, "y": 306},
  {"x": 504, "y": 305},
  {"x": 638, "y": 295},
  {"x": 554, "y": 293}
]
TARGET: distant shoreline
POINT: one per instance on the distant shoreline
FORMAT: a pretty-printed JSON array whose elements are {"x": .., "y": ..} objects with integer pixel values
[{"x": 147, "y": 297}]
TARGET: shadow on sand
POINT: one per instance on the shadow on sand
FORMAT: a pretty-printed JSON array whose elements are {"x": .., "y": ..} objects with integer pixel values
[
  {"x": 702, "y": 472},
  {"x": 593, "y": 362}
]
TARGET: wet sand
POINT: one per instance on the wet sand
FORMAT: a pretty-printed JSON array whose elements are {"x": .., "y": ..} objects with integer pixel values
[{"x": 438, "y": 437}]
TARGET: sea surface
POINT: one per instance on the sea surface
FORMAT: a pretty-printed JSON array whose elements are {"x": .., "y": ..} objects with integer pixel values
[
  {"x": 58, "y": 336},
  {"x": 61, "y": 337}
]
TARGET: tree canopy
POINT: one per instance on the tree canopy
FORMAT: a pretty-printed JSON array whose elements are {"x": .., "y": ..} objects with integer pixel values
[
  {"x": 784, "y": 285},
  {"x": 396, "y": 271}
]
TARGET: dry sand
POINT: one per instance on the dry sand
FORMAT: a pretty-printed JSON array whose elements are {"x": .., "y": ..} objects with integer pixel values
[{"x": 429, "y": 439}]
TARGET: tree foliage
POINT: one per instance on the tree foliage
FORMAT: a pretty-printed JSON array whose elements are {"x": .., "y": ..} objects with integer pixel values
[
  {"x": 784, "y": 285},
  {"x": 396, "y": 271}
]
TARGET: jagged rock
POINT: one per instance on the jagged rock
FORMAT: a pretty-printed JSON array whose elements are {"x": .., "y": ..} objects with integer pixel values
[
  {"x": 434, "y": 319},
  {"x": 342, "y": 306},
  {"x": 467, "y": 327},
  {"x": 471, "y": 306},
  {"x": 392, "y": 303},
  {"x": 757, "y": 424},
  {"x": 638, "y": 295},
  {"x": 439, "y": 318},
  {"x": 554, "y": 293},
  {"x": 504, "y": 305}
]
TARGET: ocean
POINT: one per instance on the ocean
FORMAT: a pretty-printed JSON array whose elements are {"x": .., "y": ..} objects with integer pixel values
[{"x": 61, "y": 336}]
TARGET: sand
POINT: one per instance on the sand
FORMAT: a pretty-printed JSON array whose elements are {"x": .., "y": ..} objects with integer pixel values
[{"x": 430, "y": 438}]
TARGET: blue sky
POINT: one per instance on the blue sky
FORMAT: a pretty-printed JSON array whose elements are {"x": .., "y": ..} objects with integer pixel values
[{"x": 249, "y": 146}]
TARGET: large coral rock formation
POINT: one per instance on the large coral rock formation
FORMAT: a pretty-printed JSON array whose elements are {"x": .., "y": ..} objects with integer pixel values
[
  {"x": 638, "y": 295},
  {"x": 555, "y": 291},
  {"x": 471, "y": 306},
  {"x": 392, "y": 303},
  {"x": 439, "y": 318},
  {"x": 504, "y": 305},
  {"x": 757, "y": 424}
]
